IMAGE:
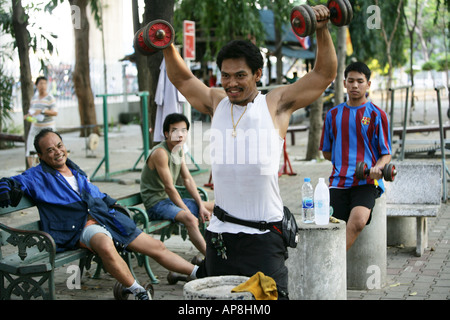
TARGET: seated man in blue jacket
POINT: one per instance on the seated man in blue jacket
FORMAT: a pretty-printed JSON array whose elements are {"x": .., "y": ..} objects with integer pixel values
[{"x": 75, "y": 213}]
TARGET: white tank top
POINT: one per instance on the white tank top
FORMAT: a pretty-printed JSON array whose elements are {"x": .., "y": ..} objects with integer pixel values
[{"x": 245, "y": 167}]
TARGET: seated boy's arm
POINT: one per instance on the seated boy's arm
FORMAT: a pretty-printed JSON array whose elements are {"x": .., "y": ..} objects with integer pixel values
[
  {"x": 189, "y": 183},
  {"x": 191, "y": 187}
]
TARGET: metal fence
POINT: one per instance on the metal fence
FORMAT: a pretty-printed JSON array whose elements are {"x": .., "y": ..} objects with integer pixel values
[{"x": 121, "y": 77}]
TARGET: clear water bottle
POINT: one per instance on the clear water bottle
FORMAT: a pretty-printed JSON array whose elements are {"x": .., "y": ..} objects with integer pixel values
[
  {"x": 321, "y": 203},
  {"x": 307, "y": 201}
]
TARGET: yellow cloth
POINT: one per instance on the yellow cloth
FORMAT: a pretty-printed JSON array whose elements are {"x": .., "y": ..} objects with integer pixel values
[{"x": 261, "y": 286}]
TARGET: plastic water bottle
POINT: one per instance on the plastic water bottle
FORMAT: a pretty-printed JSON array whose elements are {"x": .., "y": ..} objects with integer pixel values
[
  {"x": 321, "y": 203},
  {"x": 307, "y": 201}
]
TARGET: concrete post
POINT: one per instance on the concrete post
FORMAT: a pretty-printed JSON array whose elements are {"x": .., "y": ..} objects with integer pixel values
[
  {"x": 317, "y": 267},
  {"x": 366, "y": 259},
  {"x": 401, "y": 231}
]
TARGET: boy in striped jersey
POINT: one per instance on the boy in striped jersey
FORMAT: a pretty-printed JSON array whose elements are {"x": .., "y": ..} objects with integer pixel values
[{"x": 356, "y": 131}]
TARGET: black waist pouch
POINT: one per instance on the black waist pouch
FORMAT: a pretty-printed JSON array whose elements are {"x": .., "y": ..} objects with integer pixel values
[{"x": 287, "y": 227}]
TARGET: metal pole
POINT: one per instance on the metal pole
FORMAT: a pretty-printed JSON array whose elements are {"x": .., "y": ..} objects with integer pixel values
[
  {"x": 144, "y": 98},
  {"x": 405, "y": 122},
  {"x": 105, "y": 135},
  {"x": 392, "y": 90},
  {"x": 145, "y": 138},
  {"x": 392, "y": 111},
  {"x": 105, "y": 139},
  {"x": 441, "y": 133}
]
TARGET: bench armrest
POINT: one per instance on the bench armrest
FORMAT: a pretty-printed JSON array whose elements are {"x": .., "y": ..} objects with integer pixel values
[
  {"x": 140, "y": 217},
  {"x": 24, "y": 239}
]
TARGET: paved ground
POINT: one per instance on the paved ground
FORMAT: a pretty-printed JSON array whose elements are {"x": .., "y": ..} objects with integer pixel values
[{"x": 408, "y": 277}]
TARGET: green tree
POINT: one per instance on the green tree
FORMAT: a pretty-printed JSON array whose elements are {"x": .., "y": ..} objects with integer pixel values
[
  {"x": 6, "y": 87},
  {"x": 81, "y": 72},
  {"x": 368, "y": 38},
  {"x": 411, "y": 21},
  {"x": 219, "y": 21},
  {"x": 19, "y": 23},
  {"x": 214, "y": 19}
]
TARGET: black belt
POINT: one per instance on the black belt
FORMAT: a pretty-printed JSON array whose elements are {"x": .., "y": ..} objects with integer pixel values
[{"x": 223, "y": 216}]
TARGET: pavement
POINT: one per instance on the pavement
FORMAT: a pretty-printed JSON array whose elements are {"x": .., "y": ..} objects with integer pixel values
[{"x": 408, "y": 277}]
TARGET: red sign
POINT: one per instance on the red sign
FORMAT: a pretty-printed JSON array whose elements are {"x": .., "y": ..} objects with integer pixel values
[{"x": 189, "y": 39}]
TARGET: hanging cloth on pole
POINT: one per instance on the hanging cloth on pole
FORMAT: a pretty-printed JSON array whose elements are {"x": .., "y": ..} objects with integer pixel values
[{"x": 168, "y": 100}]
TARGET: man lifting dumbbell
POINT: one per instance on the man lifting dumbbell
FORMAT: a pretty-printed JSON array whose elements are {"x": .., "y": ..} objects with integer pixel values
[
  {"x": 356, "y": 132},
  {"x": 247, "y": 187}
]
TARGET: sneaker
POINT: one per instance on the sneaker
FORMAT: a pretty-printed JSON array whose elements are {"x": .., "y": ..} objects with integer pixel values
[{"x": 143, "y": 295}]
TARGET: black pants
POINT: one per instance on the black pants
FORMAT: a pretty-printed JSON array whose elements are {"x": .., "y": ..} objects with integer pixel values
[{"x": 246, "y": 255}]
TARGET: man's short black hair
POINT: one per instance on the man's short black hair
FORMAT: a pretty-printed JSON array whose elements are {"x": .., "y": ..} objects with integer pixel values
[
  {"x": 241, "y": 49},
  {"x": 174, "y": 118},
  {"x": 41, "y": 135},
  {"x": 39, "y": 79},
  {"x": 358, "y": 67}
]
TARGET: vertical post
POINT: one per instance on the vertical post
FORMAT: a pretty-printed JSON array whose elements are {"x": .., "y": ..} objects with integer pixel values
[
  {"x": 318, "y": 266},
  {"x": 105, "y": 135},
  {"x": 441, "y": 134},
  {"x": 188, "y": 54},
  {"x": 144, "y": 102},
  {"x": 405, "y": 122},
  {"x": 145, "y": 137},
  {"x": 366, "y": 258},
  {"x": 391, "y": 120}
]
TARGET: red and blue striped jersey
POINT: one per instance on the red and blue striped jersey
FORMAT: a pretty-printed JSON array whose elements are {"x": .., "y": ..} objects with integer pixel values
[{"x": 352, "y": 135}]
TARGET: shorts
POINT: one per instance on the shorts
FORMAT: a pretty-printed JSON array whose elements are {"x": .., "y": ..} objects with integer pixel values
[
  {"x": 246, "y": 254},
  {"x": 344, "y": 200},
  {"x": 167, "y": 210},
  {"x": 91, "y": 230}
]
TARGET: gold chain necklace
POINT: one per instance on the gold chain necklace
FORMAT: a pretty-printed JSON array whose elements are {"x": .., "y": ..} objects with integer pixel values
[{"x": 234, "y": 134}]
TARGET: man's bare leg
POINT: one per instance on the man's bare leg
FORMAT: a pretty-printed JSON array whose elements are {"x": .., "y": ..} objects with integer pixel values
[
  {"x": 155, "y": 249},
  {"x": 356, "y": 223},
  {"x": 112, "y": 261},
  {"x": 191, "y": 224}
]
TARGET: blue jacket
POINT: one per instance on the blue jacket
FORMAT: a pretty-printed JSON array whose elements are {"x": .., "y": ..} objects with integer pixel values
[{"x": 63, "y": 211}]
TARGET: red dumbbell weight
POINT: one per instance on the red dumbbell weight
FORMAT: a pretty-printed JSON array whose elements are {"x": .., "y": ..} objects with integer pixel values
[
  {"x": 155, "y": 36},
  {"x": 362, "y": 171},
  {"x": 303, "y": 18},
  {"x": 139, "y": 44},
  {"x": 341, "y": 12}
]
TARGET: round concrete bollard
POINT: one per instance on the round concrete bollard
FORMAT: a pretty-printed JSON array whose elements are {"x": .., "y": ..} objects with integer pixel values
[
  {"x": 401, "y": 231},
  {"x": 366, "y": 259},
  {"x": 216, "y": 288},
  {"x": 317, "y": 266}
]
